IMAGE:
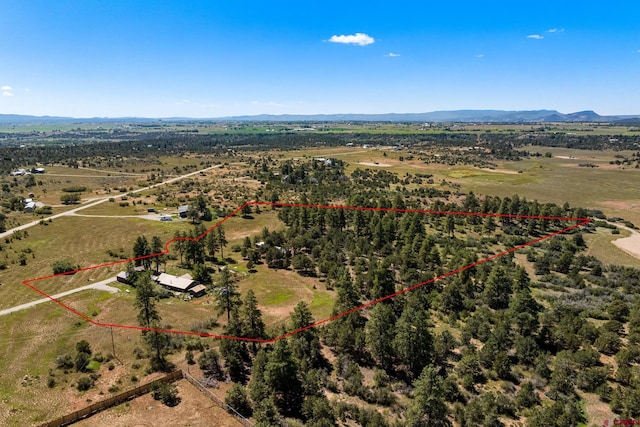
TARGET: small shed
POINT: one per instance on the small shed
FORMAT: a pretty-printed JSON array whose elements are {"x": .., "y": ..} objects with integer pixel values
[
  {"x": 183, "y": 211},
  {"x": 198, "y": 290},
  {"x": 30, "y": 207},
  {"x": 123, "y": 277}
]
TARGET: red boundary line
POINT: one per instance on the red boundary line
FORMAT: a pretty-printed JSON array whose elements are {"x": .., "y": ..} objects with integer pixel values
[{"x": 579, "y": 222}]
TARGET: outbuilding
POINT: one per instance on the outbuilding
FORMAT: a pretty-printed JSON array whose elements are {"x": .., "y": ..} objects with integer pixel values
[
  {"x": 183, "y": 211},
  {"x": 175, "y": 283}
]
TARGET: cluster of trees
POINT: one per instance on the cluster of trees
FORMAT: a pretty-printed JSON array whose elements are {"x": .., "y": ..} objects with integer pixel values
[
  {"x": 491, "y": 327},
  {"x": 334, "y": 240},
  {"x": 502, "y": 331}
]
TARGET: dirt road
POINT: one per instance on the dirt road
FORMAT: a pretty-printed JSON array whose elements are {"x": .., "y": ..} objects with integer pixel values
[
  {"x": 102, "y": 200},
  {"x": 100, "y": 286}
]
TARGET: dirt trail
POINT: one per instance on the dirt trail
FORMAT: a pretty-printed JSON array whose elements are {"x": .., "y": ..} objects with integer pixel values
[{"x": 102, "y": 200}]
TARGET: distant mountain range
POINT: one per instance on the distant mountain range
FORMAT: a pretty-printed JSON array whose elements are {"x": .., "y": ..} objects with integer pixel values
[{"x": 467, "y": 116}]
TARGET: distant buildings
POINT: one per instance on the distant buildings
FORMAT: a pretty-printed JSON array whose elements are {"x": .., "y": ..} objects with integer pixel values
[{"x": 21, "y": 172}]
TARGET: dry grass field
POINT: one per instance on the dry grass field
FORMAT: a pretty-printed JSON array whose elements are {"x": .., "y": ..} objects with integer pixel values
[{"x": 32, "y": 339}]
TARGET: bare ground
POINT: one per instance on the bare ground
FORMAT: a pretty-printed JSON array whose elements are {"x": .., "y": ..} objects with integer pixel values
[
  {"x": 381, "y": 165},
  {"x": 193, "y": 410},
  {"x": 630, "y": 245}
]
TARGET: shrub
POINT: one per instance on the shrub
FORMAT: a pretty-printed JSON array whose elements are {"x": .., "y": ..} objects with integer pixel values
[
  {"x": 82, "y": 362},
  {"x": 74, "y": 189},
  {"x": 84, "y": 384},
  {"x": 70, "y": 198},
  {"x": 64, "y": 361},
  {"x": 237, "y": 399},
  {"x": 60, "y": 267},
  {"x": 45, "y": 210},
  {"x": 166, "y": 393},
  {"x": 209, "y": 362},
  {"x": 138, "y": 353},
  {"x": 84, "y": 347}
]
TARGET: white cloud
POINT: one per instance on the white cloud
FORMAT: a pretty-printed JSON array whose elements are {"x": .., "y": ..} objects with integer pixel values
[
  {"x": 535, "y": 36},
  {"x": 6, "y": 88},
  {"x": 392, "y": 55},
  {"x": 7, "y": 93},
  {"x": 555, "y": 30},
  {"x": 480, "y": 55},
  {"x": 360, "y": 39}
]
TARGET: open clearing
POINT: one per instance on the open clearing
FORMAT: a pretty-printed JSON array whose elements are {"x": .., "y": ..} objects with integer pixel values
[
  {"x": 630, "y": 244},
  {"x": 194, "y": 410},
  {"x": 381, "y": 165}
]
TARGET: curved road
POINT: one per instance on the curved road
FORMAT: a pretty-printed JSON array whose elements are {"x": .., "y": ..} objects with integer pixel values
[
  {"x": 103, "y": 285},
  {"x": 102, "y": 200}
]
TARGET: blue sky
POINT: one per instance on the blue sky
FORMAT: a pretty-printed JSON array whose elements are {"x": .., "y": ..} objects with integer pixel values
[{"x": 197, "y": 58}]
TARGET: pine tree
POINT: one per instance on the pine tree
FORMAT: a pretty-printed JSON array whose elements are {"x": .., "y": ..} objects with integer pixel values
[
  {"x": 237, "y": 399},
  {"x": 413, "y": 343},
  {"x": 235, "y": 352},
  {"x": 281, "y": 376},
  {"x": 497, "y": 289},
  {"x": 227, "y": 296},
  {"x": 380, "y": 333},
  {"x": 211, "y": 243},
  {"x": 146, "y": 301},
  {"x": 221, "y": 239},
  {"x": 259, "y": 390},
  {"x": 346, "y": 333},
  {"x": 428, "y": 408},
  {"x": 179, "y": 242},
  {"x": 252, "y": 324},
  {"x": 141, "y": 248},
  {"x": 157, "y": 248},
  {"x": 305, "y": 345}
]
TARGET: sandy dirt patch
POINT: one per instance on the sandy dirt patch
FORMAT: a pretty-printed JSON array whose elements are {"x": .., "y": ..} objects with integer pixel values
[
  {"x": 566, "y": 157},
  {"x": 380, "y": 165},
  {"x": 194, "y": 410},
  {"x": 630, "y": 245}
]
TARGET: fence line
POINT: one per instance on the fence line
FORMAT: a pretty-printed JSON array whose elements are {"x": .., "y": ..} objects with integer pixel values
[
  {"x": 111, "y": 401},
  {"x": 215, "y": 399},
  {"x": 140, "y": 390}
]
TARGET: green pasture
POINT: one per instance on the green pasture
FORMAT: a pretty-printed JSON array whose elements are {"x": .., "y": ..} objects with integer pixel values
[{"x": 81, "y": 241}]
